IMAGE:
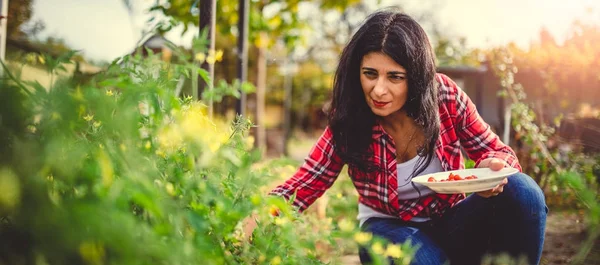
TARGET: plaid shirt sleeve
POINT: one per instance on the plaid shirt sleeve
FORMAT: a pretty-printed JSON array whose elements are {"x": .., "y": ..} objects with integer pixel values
[
  {"x": 319, "y": 171},
  {"x": 475, "y": 134}
]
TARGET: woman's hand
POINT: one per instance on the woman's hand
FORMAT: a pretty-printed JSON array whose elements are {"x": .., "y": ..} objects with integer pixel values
[
  {"x": 493, "y": 164},
  {"x": 248, "y": 226}
]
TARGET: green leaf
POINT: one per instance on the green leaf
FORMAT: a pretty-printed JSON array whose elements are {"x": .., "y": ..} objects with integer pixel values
[
  {"x": 37, "y": 87},
  {"x": 66, "y": 57},
  {"x": 248, "y": 87},
  {"x": 204, "y": 74}
]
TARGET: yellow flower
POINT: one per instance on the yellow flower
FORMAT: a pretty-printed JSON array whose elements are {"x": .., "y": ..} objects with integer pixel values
[
  {"x": 109, "y": 92},
  {"x": 148, "y": 145},
  {"x": 215, "y": 145},
  {"x": 280, "y": 221},
  {"x": 340, "y": 195},
  {"x": 88, "y": 117},
  {"x": 200, "y": 57},
  {"x": 123, "y": 147},
  {"x": 362, "y": 237},
  {"x": 195, "y": 122},
  {"x": 41, "y": 59},
  {"x": 261, "y": 258},
  {"x": 30, "y": 58},
  {"x": 196, "y": 125},
  {"x": 97, "y": 124},
  {"x": 219, "y": 55},
  {"x": 276, "y": 260},
  {"x": 393, "y": 251},
  {"x": 346, "y": 225},
  {"x": 170, "y": 188},
  {"x": 255, "y": 199},
  {"x": 262, "y": 41},
  {"x": 170, "y": 139},
  {"x": 377, "y": 248},
  {"x": 160, "y": 153},
  {"x": 211, "y": 59}
]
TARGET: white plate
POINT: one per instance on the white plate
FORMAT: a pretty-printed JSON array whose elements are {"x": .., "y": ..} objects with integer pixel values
[{"x": 486, "y": 180}]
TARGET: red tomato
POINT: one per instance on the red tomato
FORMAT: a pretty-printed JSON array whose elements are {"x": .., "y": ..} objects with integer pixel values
[{"x": 431, "y": 179}]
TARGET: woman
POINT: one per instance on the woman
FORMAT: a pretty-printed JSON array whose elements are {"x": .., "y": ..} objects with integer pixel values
[{"x": 393, "y": 118}]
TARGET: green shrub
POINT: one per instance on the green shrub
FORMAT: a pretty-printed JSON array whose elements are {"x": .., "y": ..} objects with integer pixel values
[{"x": 122, "y": 171}]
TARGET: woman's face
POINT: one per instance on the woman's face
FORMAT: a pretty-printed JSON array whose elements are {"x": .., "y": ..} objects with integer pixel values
[{"x": 384, "y": 83}]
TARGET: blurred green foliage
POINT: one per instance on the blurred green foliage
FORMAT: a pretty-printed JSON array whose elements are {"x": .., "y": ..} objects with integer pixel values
[{"x": 119, "y": 170}]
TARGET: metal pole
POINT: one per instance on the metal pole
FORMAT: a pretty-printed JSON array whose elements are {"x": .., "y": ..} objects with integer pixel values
[
  {"x": 3, "y": 37},
  {"x": 208, "y": 11},
  {"x": 243, "y": 14}
]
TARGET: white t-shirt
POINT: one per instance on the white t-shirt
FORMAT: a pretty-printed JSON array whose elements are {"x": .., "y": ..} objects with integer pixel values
[{"x": 406, "y": 190}]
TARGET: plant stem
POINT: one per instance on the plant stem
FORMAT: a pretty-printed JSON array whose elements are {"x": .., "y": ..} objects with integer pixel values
[{"x": 12, "y": 77}]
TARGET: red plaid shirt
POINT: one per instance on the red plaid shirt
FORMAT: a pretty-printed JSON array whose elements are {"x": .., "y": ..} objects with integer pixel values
[{"x": 460, "y": 125}]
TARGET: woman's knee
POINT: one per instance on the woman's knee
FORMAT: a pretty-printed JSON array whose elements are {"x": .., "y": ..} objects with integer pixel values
[
  {"x": 523, "y": 192},
  {"x": 429, "y": 254}
]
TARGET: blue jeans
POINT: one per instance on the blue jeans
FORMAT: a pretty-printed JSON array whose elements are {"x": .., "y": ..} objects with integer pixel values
[{"x": 512, "y": 222}]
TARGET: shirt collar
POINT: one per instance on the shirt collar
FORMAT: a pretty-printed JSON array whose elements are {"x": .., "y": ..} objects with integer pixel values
[{"x": 378, "y": 131}]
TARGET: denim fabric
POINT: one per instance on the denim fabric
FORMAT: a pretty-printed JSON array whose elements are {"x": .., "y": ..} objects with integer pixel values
[{"x": 511, "y": 223}]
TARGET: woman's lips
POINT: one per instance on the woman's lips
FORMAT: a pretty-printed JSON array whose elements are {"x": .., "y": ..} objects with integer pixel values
[{"x": 379, "y": 104}]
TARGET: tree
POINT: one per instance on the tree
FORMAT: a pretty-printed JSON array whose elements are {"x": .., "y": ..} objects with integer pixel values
[
  {"x": 560, "y": 77},
  {"x": 271, "y": 22}
]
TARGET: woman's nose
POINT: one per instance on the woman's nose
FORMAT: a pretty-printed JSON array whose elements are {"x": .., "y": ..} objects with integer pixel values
[{"x": 380, "y": 88}]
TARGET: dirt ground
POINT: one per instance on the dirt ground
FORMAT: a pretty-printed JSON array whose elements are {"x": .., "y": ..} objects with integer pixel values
[{"x": 564, "y": 234}]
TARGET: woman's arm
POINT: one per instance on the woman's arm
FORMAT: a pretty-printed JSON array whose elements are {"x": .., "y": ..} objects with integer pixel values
[
  {"x": 319, "y": 171},
  {"x": 481, "y": 144}
]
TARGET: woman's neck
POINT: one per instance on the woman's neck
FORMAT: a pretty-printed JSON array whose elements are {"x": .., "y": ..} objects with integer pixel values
[{"x": 397, "y": 122}]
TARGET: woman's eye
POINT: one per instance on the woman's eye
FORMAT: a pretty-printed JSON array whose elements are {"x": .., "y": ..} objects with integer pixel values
[
  {"x": 370, "y": 74},
  {"x": 397, "y": 77}
]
